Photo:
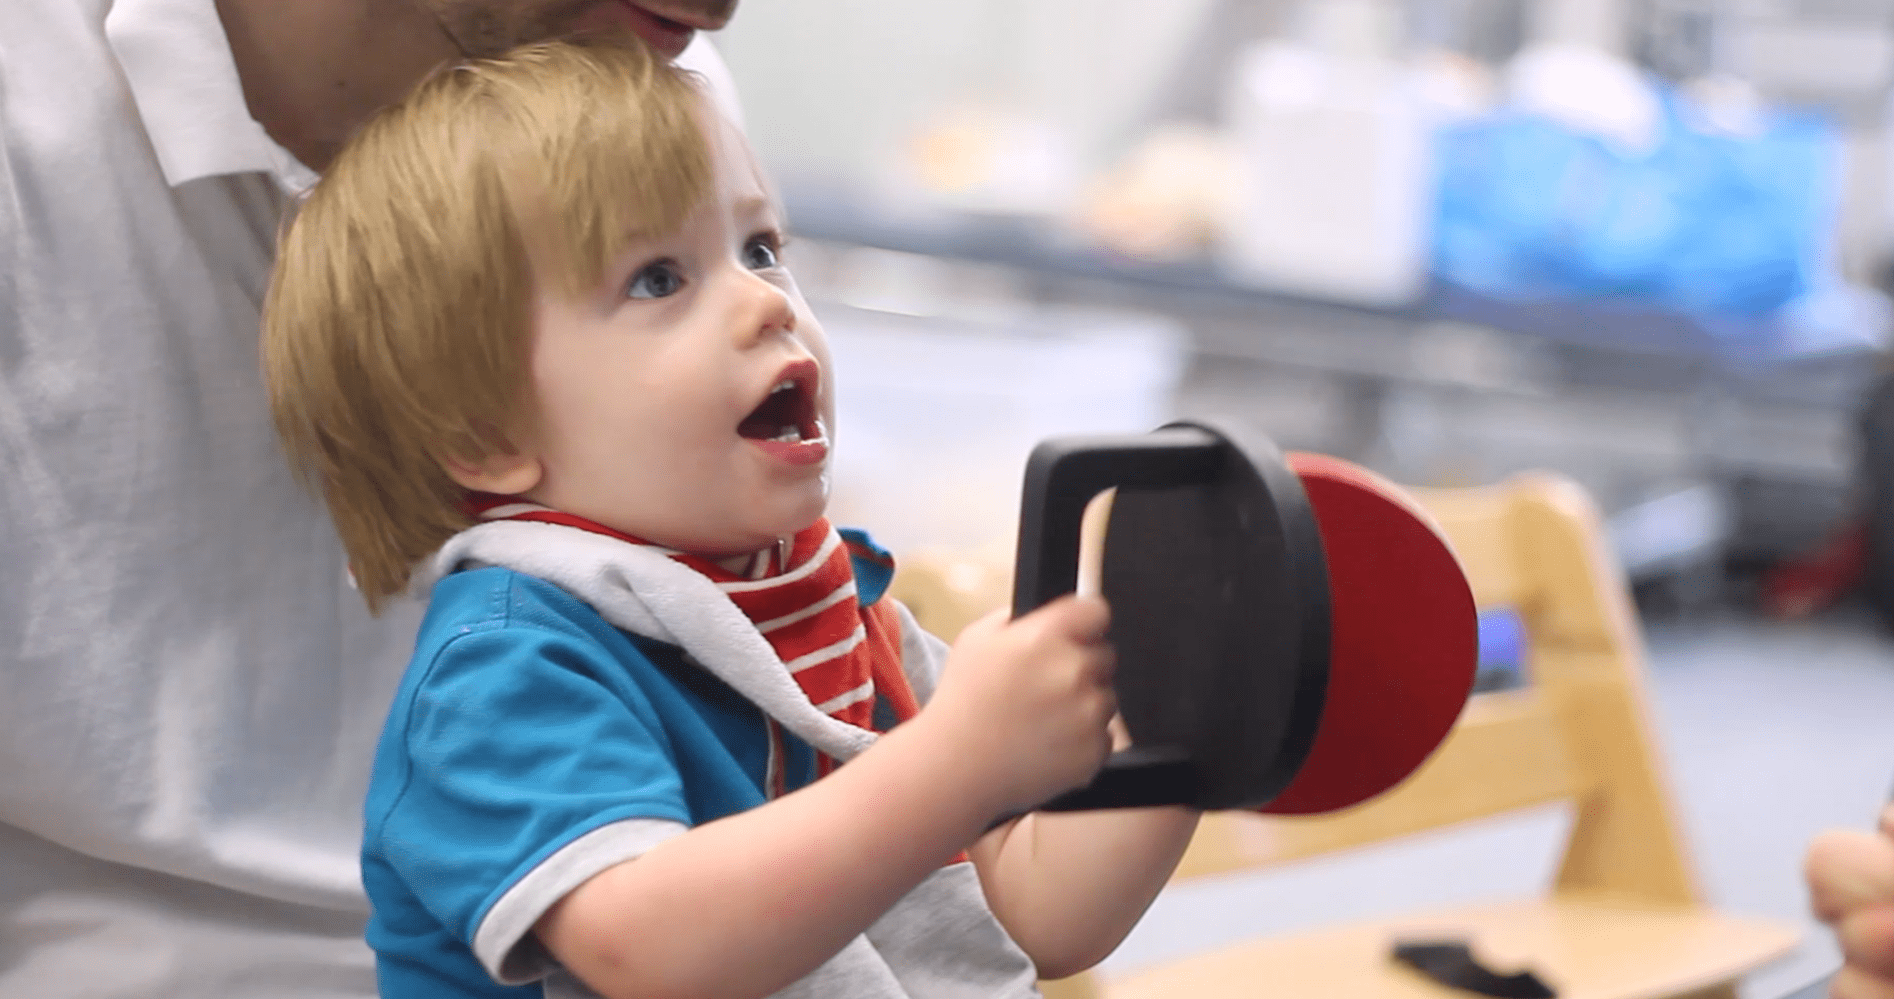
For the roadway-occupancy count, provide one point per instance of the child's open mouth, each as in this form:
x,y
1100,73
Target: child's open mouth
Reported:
x,y
786,421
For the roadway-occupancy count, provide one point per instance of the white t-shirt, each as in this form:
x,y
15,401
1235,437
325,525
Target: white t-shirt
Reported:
x,y
190,693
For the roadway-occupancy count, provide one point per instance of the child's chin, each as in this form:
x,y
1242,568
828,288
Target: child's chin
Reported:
x,y
788,522
805,519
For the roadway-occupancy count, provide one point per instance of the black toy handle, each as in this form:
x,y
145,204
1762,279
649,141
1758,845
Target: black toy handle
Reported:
x,y
1137,777
1064,474
1062,477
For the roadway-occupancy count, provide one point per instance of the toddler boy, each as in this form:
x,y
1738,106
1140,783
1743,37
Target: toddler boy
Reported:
x,y
662,734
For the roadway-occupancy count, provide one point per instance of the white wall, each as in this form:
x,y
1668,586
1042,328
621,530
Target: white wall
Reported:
x,y
830,84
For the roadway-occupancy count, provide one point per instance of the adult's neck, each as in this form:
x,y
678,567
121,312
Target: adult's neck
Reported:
x,y
314,70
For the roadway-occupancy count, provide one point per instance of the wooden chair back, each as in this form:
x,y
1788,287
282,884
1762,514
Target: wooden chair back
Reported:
x,y
1624,917
1578,731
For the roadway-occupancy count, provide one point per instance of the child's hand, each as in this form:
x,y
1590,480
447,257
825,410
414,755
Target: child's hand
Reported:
x,y
1028,702
1851,888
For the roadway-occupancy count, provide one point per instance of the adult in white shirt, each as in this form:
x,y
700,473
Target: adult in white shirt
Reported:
x,y
190,693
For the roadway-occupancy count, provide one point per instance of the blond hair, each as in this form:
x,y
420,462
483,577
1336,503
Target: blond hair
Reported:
x,y
397,326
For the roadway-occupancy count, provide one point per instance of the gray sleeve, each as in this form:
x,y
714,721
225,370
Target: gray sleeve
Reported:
x,y
922,654
504,942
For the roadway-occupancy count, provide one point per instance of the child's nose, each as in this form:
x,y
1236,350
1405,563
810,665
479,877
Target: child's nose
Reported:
x,y
766,310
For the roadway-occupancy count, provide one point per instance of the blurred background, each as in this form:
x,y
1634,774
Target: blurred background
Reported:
x,y
1646,243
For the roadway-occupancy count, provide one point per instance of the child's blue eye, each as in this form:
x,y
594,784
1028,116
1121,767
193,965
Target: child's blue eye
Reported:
x,y
760,252
657,280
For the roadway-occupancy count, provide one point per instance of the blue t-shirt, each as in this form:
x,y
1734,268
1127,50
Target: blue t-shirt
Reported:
x,y
531,745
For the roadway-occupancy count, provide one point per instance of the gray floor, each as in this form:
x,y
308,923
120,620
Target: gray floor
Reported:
x,y
1774,732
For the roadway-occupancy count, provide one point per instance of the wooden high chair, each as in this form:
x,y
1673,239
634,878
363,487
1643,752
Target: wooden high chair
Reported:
x,y
1624,917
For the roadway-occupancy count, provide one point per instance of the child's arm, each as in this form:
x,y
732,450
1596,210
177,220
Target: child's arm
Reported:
x,y
745,905
1068,886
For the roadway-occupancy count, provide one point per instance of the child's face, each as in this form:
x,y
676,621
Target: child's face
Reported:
x,y
687,400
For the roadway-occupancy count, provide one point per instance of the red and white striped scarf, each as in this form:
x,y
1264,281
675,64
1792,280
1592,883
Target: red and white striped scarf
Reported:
x,y
802,598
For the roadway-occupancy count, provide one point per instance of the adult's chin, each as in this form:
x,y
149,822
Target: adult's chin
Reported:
x,y
667,37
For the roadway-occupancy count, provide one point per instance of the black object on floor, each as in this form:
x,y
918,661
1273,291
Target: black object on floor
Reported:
x,y
1450,963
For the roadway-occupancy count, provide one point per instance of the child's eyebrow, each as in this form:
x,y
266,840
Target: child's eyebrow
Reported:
x,y
749,206
644,234
756,204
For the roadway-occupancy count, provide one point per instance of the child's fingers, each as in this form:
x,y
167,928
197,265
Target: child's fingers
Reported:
x,y
1887,820
983,626
1091,618
1081,619
1847,869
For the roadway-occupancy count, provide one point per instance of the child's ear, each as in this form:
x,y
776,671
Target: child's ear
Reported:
x,y
504,472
